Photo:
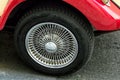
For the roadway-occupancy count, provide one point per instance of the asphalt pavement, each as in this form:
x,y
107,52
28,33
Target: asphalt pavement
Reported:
x,y
104,64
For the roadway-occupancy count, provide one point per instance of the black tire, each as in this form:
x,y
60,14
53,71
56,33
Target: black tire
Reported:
x,y
76,24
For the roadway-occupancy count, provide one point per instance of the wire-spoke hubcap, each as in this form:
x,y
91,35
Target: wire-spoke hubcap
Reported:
x,y
51,45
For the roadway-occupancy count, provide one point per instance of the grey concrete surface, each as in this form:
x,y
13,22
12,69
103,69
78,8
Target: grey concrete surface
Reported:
x,y
104,64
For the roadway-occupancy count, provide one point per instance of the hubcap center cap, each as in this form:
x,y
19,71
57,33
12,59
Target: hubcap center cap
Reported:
x,y
51,47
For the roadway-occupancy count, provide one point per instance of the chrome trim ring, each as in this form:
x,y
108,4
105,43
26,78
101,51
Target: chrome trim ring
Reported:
x,y
51,45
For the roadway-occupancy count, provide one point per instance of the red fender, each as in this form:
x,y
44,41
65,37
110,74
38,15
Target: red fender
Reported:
x,y
8,9
102,17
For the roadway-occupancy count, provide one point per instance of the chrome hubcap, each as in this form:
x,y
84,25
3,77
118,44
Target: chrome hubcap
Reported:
x,y
51,45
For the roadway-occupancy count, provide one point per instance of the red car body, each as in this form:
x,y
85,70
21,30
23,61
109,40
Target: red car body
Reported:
x,y
102,17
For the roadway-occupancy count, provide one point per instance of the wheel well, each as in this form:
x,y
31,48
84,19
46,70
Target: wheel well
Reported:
x,y
22,8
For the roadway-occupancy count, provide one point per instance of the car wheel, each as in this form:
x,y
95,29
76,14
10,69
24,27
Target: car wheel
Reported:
x,y
54,40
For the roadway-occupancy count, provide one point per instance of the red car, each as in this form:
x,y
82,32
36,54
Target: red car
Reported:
x,y
56,36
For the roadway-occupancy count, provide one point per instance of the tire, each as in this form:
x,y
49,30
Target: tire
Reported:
x,y
54,41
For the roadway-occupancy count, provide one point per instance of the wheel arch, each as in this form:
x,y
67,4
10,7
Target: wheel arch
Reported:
x,y
22,8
